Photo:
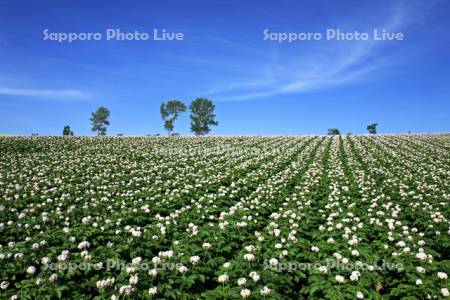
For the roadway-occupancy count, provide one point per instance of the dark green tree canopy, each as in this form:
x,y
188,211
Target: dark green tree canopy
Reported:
x,y
67,131
202,116
99,120
169,113
333,131
372,128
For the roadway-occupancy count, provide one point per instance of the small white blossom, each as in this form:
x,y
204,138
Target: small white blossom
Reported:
x,y
245,293
136,260
153,273
53,277
223,278
339,278
420,269
355,276
182,269
265,291
83,245
133,279
442,275
152,291
421,256
249,257
4,285
194,259
125,289
31,270
255,276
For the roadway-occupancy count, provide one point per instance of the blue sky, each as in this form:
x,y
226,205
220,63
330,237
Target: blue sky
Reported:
x,y
259,86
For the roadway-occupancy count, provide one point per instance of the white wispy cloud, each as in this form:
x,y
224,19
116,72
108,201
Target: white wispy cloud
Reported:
x,y
62,94
324,66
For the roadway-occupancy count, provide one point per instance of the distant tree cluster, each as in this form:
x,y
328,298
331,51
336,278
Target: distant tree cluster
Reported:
x,y
202,115
334,131
202,118
67,131
371,128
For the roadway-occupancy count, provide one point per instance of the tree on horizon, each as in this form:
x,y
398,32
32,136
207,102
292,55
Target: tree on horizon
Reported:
x,y
169,113
67,131
372,128
100,120
334,131
202,116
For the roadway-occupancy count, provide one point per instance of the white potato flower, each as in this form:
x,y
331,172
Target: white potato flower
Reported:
x,y
133,279
4,285
442,275
421,256
53,277
194,259
355,276
255,276
245,293
249,257
31,270
265,291
156,260
152,273
339,278
182,269
136,260
273,261
223,278
315,249
83,245
420,269
125,289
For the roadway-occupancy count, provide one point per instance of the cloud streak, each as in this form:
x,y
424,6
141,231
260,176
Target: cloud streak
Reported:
x,y
62,94
324,65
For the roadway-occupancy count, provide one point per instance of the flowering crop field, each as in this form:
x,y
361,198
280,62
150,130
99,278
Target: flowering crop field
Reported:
x,y
351,217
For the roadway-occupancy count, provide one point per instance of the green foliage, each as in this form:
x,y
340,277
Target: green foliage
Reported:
x,y
202,116
99,120
333,131
372,128
169,113
274,198
67,131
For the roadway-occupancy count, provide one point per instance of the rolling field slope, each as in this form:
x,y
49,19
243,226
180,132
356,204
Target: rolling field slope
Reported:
x,y
351,217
